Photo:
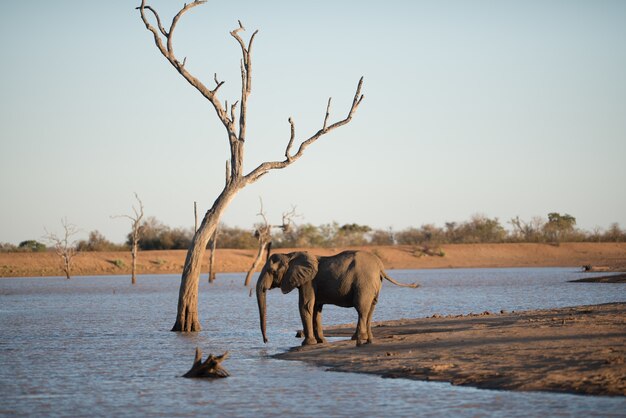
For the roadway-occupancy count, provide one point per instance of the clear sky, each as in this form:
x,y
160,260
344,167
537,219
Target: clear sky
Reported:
x,y
502,108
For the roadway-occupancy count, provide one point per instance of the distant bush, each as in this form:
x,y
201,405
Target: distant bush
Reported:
x,y
561,228
306,235
425,234
614,234
381,237
352,235
325,236
233,237
31,246
6,247
154,235
97,242
479,229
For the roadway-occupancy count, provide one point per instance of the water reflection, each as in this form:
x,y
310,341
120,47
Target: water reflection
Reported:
x,y
99,346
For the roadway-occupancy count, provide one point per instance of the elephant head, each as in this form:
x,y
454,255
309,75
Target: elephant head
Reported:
x,y
286,271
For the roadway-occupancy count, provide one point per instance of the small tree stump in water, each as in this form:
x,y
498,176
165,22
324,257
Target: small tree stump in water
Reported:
x,y
211,367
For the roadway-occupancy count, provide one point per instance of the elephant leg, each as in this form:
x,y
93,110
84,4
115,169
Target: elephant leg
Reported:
x,y
361,329
317,324
370,336
363,309
306,303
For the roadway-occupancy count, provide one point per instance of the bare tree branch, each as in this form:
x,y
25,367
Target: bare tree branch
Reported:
x,y
233,109
262,213
64,246
158,19
263,234
182,11
246,77
291,139
327,113
135,235
288,218
265,167
218,84
168,53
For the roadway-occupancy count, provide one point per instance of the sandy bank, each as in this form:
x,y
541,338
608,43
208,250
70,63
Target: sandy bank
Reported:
x,y
609,255
577,350
614,278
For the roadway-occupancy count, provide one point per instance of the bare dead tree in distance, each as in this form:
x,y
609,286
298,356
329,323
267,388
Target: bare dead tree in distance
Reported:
x,y
234,120
64,246
135,236
212,247
263,233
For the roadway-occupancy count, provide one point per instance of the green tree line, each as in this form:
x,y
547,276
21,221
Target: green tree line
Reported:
x,y
555,228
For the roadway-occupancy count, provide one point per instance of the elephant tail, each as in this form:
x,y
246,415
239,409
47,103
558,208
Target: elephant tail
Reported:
x,y
412,285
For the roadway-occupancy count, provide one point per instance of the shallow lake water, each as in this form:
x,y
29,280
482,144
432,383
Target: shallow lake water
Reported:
x,y
98,346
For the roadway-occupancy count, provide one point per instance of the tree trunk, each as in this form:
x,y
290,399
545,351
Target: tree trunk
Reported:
x,y
133,255
187,314
212,256
255,263
66,267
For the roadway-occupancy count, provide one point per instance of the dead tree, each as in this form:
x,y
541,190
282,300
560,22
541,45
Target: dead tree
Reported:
x,y
64,246
135,235
211,367
233,117
263,233
212,246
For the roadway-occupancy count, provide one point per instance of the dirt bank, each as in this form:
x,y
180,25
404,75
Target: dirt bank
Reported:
x,y
608,255
614,278
577,350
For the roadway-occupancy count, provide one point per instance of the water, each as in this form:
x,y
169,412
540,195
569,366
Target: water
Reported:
x,y
98,346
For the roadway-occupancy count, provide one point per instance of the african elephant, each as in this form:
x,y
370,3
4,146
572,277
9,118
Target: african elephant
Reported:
x,y
348,279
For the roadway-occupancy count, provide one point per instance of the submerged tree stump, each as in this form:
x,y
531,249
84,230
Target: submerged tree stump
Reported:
x,y
211,367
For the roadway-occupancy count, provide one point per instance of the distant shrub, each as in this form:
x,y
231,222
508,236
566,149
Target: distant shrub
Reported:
x,y
154,235
614,234
31,246
381,237
233,237
560,228
6,247
97,242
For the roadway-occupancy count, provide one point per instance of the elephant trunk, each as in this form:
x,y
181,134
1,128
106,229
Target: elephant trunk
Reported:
x,y
261,289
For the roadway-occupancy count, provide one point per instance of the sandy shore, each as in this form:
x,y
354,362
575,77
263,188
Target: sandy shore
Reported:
x,y
577,350
607,256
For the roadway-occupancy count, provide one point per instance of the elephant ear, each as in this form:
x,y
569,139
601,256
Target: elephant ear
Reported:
x,y
302,269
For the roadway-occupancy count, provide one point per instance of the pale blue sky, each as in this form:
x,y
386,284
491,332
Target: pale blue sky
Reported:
x,y
502,108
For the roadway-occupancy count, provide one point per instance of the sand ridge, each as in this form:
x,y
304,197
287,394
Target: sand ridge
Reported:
x,y
576,350
610,255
